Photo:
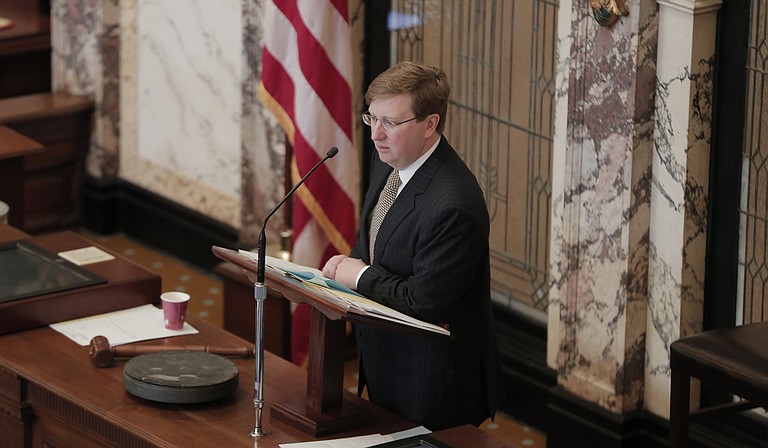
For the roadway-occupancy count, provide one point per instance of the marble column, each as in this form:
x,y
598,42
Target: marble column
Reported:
x,y
630,188
680,188
601,204
85,38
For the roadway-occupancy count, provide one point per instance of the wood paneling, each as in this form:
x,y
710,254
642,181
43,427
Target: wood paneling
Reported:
x,y
25,49
52,178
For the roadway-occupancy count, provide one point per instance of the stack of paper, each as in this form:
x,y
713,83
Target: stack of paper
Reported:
x,y
121,327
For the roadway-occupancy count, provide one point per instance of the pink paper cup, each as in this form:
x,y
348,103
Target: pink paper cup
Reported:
x,y
174,309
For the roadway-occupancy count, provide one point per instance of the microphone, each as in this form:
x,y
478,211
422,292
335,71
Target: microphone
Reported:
x,y
260,294
260,274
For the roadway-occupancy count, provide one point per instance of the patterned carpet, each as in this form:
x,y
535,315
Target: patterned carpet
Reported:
x,y
207,303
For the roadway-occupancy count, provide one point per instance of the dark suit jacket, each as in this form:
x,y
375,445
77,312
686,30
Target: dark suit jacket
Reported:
x,y
432,263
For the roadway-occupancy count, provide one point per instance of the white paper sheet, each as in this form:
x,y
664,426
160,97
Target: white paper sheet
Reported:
x,y
141,323
350,442
416,431
86,255
359,441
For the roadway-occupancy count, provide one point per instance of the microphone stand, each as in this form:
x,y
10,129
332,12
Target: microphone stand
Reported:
x,y
260,294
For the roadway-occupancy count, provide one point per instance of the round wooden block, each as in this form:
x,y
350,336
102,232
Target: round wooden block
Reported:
x,y
179,376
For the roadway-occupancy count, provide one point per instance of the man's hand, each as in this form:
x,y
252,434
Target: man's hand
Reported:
x,y
329,270
344,270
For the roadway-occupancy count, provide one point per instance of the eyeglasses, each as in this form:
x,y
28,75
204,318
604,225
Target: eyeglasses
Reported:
x,y
388,125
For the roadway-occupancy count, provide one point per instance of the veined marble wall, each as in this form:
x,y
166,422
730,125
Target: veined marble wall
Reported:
x,y
181,71
175,82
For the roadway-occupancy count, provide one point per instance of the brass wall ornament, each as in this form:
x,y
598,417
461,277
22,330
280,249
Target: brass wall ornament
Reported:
x,y
607,12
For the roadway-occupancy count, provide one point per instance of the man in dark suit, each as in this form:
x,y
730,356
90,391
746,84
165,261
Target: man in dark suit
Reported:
x,y
430,260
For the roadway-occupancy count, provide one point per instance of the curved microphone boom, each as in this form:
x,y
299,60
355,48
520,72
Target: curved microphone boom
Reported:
x,y
262,235
260,294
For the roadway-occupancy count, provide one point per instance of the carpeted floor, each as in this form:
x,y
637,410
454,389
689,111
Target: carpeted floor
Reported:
x,y
207,303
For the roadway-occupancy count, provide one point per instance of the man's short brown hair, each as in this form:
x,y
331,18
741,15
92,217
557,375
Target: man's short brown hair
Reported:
x,y
427,86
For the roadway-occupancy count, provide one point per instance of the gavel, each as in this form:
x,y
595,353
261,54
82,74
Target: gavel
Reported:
x,y
103,355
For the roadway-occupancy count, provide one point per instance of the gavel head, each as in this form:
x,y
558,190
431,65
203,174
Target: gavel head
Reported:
x,y
100,351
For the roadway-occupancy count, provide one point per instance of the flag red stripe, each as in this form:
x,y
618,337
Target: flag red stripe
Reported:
x,y
343,7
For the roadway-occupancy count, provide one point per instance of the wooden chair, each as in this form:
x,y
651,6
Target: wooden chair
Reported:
x,y
734,360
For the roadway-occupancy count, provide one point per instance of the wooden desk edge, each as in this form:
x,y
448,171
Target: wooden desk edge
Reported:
x,y
14,144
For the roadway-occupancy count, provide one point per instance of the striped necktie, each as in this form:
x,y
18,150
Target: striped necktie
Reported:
x,y
386,199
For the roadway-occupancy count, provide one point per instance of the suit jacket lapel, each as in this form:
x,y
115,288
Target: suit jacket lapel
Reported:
x,y
408,198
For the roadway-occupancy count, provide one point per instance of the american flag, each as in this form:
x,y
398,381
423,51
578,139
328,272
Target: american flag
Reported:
x,y
306,83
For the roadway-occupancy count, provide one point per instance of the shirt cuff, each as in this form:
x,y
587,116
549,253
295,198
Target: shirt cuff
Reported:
x,y
360,274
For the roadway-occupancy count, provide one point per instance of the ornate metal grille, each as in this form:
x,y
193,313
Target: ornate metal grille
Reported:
x,y
753,270
500,59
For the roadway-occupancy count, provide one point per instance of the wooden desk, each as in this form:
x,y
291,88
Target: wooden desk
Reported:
x,y
14,148
52,395
10,233
31,31
26,44
53,177
127,285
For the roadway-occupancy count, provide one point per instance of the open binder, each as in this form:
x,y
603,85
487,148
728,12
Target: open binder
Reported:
x,y
325,411
332,292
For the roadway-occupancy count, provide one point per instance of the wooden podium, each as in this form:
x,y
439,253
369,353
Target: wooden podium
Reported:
x,y
324,410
